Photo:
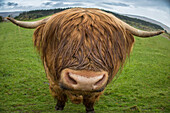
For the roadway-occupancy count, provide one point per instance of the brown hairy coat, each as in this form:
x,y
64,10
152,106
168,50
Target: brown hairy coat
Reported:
x,y
82,39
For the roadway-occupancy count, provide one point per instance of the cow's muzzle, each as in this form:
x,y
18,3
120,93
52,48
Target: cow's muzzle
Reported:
x,y
82,80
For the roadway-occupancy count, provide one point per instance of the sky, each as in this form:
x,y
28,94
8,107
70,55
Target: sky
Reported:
x,y
155,9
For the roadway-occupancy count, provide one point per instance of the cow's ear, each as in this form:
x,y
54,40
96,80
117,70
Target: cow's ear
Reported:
x,y
37,38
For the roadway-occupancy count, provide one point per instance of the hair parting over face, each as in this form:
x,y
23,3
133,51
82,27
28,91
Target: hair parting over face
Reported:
x,y
83,39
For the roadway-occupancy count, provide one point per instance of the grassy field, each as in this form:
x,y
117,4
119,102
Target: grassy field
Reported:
x,y
143,85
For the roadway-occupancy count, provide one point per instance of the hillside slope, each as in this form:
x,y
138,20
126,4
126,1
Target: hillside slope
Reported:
x,y
151,21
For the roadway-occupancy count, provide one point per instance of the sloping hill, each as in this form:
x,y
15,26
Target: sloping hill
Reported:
x,y
151,21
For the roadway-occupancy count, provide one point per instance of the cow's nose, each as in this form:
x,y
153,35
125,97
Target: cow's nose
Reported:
x,y
83,80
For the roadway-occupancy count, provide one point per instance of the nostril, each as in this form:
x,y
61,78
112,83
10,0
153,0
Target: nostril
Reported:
x,y
70,79
100,81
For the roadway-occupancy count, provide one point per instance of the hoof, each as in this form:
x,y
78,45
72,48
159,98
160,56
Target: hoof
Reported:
x,y
90,111
59,108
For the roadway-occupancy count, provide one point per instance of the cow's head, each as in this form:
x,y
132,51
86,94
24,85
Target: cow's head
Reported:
x,y
83,49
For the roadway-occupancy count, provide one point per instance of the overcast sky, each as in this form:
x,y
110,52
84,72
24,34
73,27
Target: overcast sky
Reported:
x,y
155,9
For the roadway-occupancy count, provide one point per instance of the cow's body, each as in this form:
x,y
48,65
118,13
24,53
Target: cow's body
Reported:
x,y
82,50
84,33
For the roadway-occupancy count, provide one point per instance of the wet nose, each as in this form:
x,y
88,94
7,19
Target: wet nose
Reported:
x,y
83,80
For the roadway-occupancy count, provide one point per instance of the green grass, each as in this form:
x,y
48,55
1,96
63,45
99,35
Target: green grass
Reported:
x,y
143,85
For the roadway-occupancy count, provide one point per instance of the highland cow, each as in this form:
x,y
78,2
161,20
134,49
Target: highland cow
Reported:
x,y
82,49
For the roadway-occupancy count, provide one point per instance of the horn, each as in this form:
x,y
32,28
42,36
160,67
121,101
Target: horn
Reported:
x,y
141,33
30,25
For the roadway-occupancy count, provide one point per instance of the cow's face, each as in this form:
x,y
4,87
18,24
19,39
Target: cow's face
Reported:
x,y
82,49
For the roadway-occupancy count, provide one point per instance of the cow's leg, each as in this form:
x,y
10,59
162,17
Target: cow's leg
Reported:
x,y
60,96
89,104
61,100
55,90
89,101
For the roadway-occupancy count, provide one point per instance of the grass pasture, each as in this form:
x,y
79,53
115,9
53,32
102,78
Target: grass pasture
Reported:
x,y
143,85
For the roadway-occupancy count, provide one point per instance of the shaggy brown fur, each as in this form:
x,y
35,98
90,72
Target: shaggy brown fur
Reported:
x,y
82,39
